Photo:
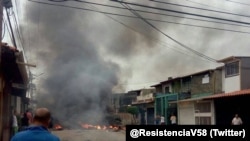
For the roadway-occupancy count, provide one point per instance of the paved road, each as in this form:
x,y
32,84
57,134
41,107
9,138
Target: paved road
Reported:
x,y
90,135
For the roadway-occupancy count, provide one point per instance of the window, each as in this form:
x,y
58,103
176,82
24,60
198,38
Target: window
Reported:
x,y
203,113
205,79
203,120
232,69
203,107
186,84
167,90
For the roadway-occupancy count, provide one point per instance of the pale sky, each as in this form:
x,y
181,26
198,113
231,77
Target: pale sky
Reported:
x,y
139,53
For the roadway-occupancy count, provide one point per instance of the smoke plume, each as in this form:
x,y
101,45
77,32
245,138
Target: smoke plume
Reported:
x,y
71,50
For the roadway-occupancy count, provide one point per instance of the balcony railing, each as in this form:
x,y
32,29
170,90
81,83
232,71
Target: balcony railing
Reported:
x,y
144,98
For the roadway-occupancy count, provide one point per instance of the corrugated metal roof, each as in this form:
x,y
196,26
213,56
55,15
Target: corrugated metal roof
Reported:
x,y
235,93
221,95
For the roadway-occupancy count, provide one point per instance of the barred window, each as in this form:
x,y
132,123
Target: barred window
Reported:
x,y
203,107
203,120
232,69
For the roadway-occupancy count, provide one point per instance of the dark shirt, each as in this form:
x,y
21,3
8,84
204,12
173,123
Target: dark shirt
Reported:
x,y
24,121
35,133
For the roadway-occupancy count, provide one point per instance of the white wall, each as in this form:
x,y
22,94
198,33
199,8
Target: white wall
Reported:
x,y
232,84
186,113
223,79
18,104
166,85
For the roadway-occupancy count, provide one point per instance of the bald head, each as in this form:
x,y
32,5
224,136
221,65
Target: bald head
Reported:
x,y
42,115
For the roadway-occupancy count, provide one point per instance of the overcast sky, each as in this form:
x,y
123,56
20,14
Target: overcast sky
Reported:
x,y
130,52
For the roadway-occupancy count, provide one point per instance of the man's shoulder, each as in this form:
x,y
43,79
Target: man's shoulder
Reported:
x,y
30,134
55,138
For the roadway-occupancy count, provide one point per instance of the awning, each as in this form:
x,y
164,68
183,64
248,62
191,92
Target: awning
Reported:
x,y
142,102
235,93
221,95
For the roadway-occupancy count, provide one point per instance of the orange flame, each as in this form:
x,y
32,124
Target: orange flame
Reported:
x,y
58,127
89,126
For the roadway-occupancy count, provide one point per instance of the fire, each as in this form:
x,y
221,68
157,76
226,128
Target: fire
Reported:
x,y
99,127
58,127
89,126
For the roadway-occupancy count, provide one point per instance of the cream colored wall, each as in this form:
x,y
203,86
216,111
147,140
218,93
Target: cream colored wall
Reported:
x,y
186,113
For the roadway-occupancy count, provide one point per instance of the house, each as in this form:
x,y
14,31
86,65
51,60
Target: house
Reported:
x,y
115,101
145,103
166,92
180,96
226,93
13,87
236,90
235,73
192,110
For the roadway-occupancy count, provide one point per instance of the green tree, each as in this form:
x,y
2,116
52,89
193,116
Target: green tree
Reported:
x,y
134,111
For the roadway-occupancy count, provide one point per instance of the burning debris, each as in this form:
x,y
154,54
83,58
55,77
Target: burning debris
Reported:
x,y
101,127
57,127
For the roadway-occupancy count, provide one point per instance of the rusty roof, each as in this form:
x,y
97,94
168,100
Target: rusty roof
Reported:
x,y
231,58
235,93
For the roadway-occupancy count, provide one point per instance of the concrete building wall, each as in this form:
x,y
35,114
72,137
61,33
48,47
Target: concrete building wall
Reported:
x,y
186,113
232,83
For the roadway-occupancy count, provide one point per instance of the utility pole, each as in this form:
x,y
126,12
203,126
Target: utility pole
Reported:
x,y
7,5
1,78
11,29
1,20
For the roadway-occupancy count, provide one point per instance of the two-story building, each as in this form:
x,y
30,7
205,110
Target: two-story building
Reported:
x,y
13,87
145,103
236,90
181,96
217,95
165,94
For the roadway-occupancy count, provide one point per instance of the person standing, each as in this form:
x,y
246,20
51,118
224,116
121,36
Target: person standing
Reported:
x,y
38,130
30,116
14,122
24,122
173,119
157,119
162,120
237,120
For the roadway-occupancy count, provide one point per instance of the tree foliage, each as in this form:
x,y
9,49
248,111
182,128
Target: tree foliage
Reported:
x,y
133,110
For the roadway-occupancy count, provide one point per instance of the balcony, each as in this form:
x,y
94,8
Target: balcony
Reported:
x,y
148,98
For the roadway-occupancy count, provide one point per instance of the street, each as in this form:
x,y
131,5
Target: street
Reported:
x,y
90,135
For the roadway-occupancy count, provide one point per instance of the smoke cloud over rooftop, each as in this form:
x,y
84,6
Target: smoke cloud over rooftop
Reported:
x,y
71,50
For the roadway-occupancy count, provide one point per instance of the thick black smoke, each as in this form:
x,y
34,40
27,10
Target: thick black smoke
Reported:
x,y
74,48
69,44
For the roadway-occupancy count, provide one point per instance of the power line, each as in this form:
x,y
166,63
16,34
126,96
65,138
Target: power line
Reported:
x,y
118,22
4,30
205,5
180,12
151,38
168,3
186,47
12,33
7,27
115,14
150,12
238,2
140,33
18,33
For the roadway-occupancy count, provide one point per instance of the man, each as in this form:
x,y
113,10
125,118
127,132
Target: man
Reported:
x,y
15,122
173,119
237,120
30,117
162,120
38,131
